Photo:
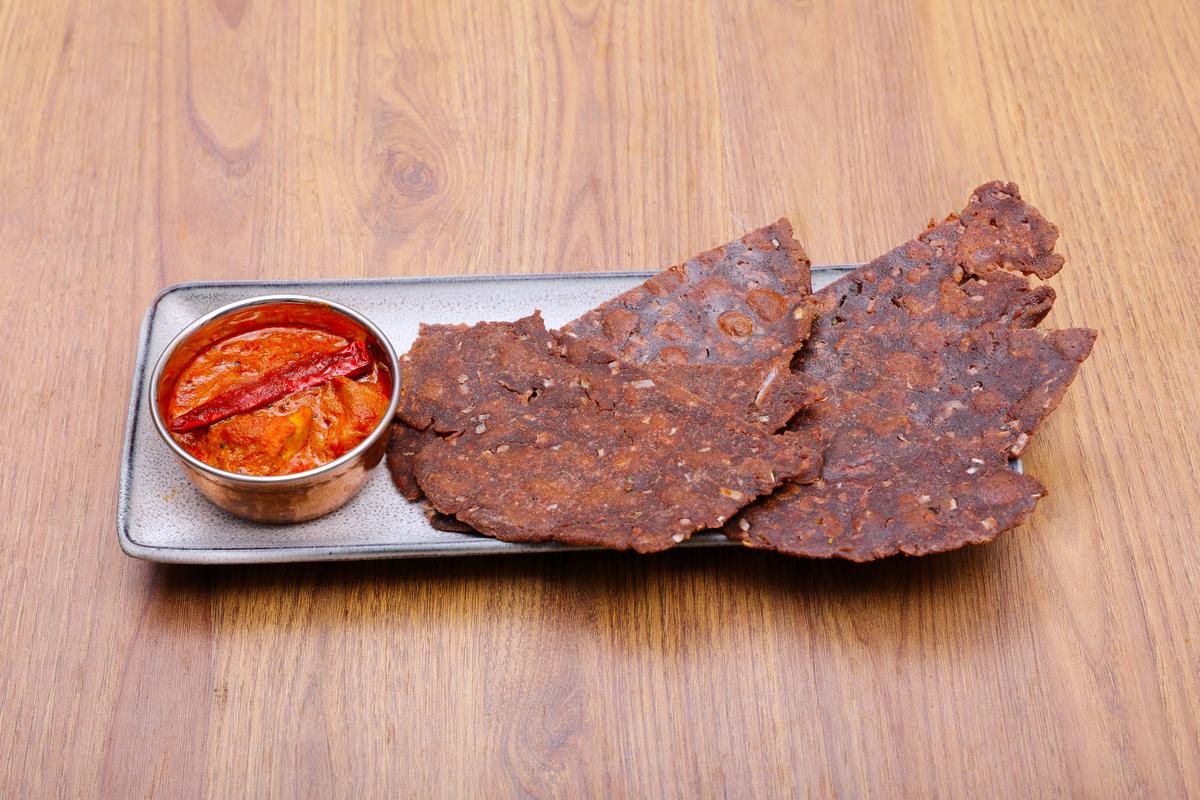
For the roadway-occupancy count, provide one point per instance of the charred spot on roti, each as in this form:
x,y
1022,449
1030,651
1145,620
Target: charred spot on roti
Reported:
x,y
768,305
736,324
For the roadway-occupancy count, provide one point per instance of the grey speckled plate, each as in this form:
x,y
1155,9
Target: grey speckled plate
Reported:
x,y
161,517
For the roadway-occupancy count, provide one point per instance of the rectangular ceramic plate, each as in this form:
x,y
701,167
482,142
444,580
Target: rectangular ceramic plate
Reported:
x,y
162,517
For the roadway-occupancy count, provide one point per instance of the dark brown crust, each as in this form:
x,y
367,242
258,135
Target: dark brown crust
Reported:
x,y
594,451
734,304
937,327
444,522
403,445
887,486
937,377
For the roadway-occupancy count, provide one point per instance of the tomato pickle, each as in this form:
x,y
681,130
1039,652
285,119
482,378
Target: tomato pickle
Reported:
x,y
294,433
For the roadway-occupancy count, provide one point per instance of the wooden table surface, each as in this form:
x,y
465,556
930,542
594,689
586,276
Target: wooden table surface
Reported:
x,y
144,145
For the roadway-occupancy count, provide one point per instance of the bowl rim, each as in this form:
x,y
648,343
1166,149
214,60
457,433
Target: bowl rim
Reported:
x,y
380,429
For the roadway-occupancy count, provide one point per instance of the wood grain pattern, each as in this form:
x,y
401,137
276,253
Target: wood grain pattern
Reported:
x,y
148,143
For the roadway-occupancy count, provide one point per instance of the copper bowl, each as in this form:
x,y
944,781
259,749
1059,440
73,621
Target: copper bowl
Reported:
x,y
275,498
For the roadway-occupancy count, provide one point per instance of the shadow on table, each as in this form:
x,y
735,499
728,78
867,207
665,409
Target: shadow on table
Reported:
x,y
718,575
686,613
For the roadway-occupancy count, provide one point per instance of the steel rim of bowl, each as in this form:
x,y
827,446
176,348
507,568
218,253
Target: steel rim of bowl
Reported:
x,y
275,480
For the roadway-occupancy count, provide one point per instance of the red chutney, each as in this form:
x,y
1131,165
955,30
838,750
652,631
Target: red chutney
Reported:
x,y
298,432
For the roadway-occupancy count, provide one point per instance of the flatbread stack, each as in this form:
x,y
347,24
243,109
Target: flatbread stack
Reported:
x,y
875,417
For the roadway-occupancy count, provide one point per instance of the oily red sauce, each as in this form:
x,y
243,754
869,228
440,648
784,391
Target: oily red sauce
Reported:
x,y
299,432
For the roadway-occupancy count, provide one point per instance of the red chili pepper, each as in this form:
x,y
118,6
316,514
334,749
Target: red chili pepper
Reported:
x,y
301,374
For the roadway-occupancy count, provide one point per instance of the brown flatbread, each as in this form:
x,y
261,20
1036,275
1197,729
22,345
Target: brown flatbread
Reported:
x,y
735,304
593,451
887,486
936,334
442,385
739,302
456,376
932,342
643,472
937,328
